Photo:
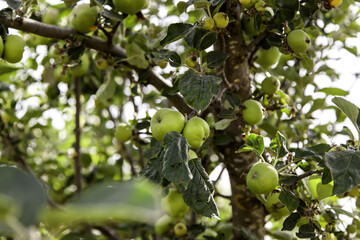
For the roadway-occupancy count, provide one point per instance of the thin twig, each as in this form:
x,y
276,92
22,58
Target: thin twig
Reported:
x,y
77,157
108,232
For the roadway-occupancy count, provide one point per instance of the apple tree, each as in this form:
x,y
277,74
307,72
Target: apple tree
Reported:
x,y
119,119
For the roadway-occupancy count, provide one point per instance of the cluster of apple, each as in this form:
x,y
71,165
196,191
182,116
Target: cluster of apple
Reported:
x,y
84,16
220,20
175,208
12,49
196,130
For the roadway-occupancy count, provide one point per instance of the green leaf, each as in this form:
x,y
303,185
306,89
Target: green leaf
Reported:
x,y
198,195
247,233
153,170
7,68
291,221
317,152
136,56
334,91
175,163
199,90
344,212
306,231
223,124
201,38
254,143
25,190
176,31
289,199
215,59
350,110
14,4
278,144
110,201
106,90
345,168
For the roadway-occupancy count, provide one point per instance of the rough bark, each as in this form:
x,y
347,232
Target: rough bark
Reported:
x,y
248,212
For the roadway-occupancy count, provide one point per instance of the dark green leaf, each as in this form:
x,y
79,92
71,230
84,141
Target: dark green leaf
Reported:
x,y
291,221
215,59
247,233
177,31
306,231
289,199
278,144
200,38
14,4
345,168
254,143
288,180
175,163
153,170
154,150
174,59
198,195
350,110
199,90
233,99
317,152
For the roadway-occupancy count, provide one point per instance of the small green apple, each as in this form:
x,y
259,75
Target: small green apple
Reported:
x,y
253,112
13,48
260,6
83,17
192,154
180,229
174,205
82,68
163,225
351,228
162,63
101,64
262,178
248,24
1,47
270,85
245,2
298,40
129,6
268,57
209,23
317,189
274,206
166,120
196,131
123,132
51,16
191,62
221,20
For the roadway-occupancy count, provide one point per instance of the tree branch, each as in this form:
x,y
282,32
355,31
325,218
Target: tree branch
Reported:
x,y
77,157
51,31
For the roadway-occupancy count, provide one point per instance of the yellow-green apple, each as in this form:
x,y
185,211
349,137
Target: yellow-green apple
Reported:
x,y
83,17
221,20
298,40
268,57
253,112
262,178
166,120
123,132
129,6
13,48
163,225
173,204
180,229
270,85
196,131
51,16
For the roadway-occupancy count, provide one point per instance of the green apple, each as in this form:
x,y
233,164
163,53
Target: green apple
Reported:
x,y
248,26
101,64
335,3
191,62
270,85
262,178
166,120
209,23
196,131
268,57
123,132
260,6
180,229
192,154
51,16
162,63
245,2
163,225
129,6
83,17
1,47
13,48
221,20
82,68
298,40
174,205
319,190
253,112
351,228
274,206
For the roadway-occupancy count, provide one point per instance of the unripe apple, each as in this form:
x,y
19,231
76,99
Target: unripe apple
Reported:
x,y
162,63
173,204
298,40
351,228
191,62
248,26
262,178
209,23
1,47
221,20
268,57
192,154
82,68
196,131
13,48
319,190
270,85
166,120
180,229
83,17
101,64
335,3
129,6
51,16
274,206
163,225
123,132
245,2
253,112
260,6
